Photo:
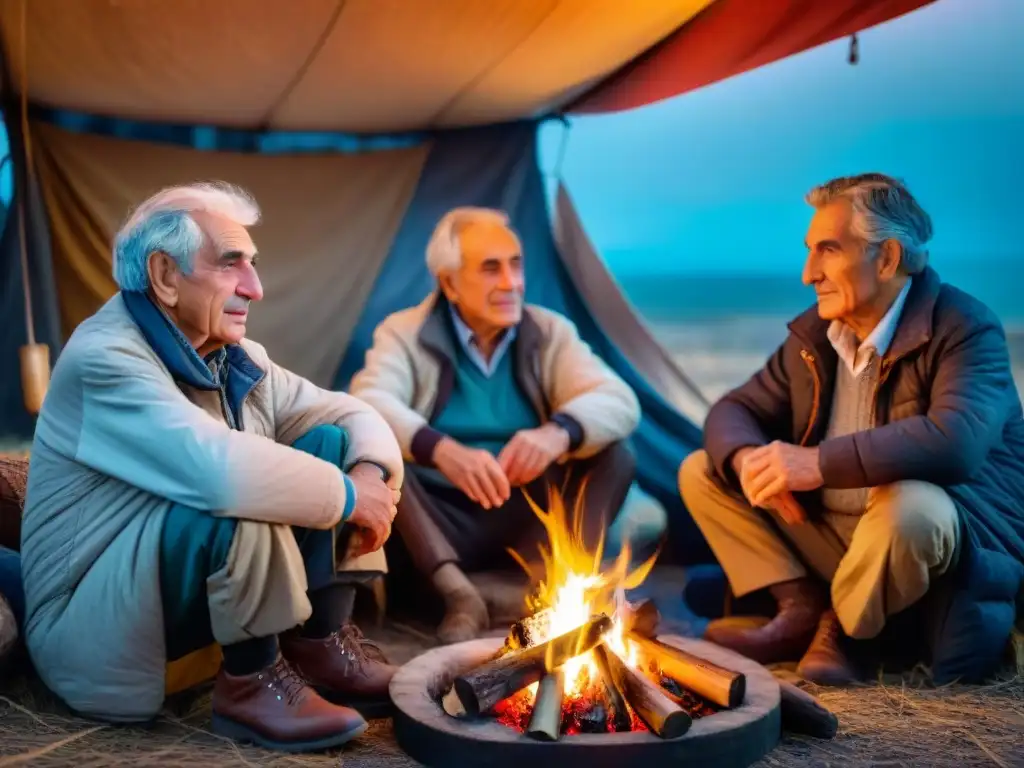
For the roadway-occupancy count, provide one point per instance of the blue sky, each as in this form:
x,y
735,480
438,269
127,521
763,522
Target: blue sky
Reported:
x,y
714,180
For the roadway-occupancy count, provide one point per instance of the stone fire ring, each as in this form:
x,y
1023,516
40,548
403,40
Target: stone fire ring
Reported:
x,y
737,737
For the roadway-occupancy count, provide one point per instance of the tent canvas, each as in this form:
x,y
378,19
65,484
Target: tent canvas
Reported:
x,y
357,124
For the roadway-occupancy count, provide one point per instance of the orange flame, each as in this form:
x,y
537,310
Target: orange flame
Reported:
x,y
575,588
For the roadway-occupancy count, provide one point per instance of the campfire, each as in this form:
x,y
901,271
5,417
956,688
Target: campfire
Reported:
x,y
584,660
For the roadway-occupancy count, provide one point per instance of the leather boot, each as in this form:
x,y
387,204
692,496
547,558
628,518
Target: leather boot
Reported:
x,y
826,662
466,614
801,603
276,709
344,666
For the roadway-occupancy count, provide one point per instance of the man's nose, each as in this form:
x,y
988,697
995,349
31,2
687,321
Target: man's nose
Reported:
x,y
811,273
250,287
510,279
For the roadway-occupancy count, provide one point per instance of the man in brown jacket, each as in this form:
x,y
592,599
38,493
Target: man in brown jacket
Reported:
x,y
490,398
879,450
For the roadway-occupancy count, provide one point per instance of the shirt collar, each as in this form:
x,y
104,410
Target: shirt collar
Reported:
x,y
467,339
855,354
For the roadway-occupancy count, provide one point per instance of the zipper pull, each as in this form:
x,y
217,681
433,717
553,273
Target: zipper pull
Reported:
x,y
806,355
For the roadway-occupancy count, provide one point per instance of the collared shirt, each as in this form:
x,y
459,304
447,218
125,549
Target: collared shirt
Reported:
x,y
468,341
858,355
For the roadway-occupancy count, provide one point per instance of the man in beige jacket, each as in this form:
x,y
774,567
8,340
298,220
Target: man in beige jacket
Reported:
x,y
185,490
490,398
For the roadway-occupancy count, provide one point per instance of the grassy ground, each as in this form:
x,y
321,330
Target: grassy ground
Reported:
x,y
891,722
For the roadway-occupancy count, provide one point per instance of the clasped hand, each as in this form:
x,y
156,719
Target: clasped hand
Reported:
x,y
489,480
376,507
769,476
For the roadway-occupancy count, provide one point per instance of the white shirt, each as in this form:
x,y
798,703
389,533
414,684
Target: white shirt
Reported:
x,y
856,356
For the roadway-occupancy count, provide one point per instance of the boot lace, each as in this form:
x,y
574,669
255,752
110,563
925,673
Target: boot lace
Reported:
x,y
355,645
284,681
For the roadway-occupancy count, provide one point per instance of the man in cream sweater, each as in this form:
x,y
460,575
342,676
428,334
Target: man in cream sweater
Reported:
x,y
490,398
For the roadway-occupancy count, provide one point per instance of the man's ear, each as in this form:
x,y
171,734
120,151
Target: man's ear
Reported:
x,y
447,287
164,276
890,254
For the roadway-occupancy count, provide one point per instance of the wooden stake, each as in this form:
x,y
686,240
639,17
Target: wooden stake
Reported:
x,y
718,685
483,687
546,718
619,713
804,713
662,715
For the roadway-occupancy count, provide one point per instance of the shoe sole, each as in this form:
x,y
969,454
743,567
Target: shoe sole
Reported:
x,y
243,734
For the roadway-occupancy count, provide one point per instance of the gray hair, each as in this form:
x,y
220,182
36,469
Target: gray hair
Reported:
x,y
444,252
164,224
883,209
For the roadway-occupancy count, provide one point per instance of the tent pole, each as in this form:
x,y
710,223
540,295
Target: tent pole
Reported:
x,y
34,357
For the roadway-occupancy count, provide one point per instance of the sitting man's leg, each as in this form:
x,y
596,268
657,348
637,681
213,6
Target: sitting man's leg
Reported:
x,y
439,527
329,650
907,537
213,588
754,554
447,535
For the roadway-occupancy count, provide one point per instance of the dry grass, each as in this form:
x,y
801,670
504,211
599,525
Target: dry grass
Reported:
x,y
905,721
894,722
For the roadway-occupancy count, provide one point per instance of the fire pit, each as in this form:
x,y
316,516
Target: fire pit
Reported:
x,y
735,736
584,677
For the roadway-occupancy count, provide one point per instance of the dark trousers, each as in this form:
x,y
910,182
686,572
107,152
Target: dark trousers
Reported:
x,y
195,544
439,525
10,582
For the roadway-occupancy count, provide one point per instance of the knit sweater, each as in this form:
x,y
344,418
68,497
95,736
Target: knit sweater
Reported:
x,y
853,410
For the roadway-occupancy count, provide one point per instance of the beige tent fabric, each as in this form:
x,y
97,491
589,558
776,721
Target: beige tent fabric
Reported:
x,y
344,65
328,224
617,317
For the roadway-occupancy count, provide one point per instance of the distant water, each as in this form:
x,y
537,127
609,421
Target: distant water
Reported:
x,y
721,328
677,297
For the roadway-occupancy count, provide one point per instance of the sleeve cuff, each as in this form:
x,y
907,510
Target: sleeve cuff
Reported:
x,y
350,497
572,427
423,444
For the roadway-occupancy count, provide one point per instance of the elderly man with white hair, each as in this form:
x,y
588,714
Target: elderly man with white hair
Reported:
x,y
878,454
185,491
491,400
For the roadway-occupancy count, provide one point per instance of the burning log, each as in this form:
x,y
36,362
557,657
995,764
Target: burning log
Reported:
x,y
619,713
527,631
482,688
643,618
546,718
716,684
804,713
661,715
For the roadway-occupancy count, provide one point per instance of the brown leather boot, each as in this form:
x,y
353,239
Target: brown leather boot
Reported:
x,y
344,667
786,637
275,709
826,662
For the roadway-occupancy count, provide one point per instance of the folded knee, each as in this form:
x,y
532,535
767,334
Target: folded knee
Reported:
x,y
693,472
912,511
618,457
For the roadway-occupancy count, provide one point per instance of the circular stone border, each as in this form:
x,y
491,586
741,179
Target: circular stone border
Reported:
x,y
737,737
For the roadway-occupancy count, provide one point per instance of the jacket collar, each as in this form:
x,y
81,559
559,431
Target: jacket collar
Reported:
x,y
437,333
914,330
229,368
437,336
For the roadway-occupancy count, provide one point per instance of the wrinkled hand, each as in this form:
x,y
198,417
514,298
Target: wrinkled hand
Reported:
x,y
783,502
376,507
475,472
531,451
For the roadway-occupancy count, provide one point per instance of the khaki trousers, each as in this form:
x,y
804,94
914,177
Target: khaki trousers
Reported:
x,y
878,563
